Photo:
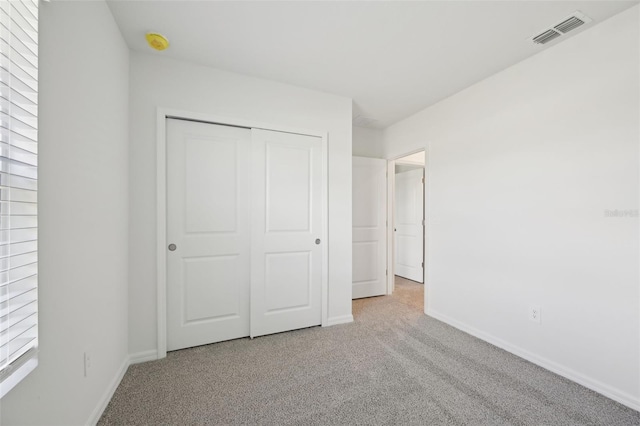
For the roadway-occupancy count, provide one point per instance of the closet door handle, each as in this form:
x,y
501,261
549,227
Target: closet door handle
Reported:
x,y
317,241
172,247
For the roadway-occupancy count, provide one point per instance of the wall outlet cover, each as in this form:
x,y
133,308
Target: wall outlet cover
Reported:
x,y
534,313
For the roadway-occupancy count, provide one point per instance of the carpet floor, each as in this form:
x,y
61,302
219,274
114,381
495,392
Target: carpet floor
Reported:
x,y
392,365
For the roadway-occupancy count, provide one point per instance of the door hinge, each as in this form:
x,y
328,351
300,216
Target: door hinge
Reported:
x,y
423,179
422,222
423,265
386,272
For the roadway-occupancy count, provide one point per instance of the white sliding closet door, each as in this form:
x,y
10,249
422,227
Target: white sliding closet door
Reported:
x,y
208,222
286,227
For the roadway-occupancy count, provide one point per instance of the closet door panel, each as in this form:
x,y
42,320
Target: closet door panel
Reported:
x,y
286,246
208,224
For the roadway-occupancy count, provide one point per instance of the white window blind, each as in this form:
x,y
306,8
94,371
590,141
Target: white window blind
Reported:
x,y
18,189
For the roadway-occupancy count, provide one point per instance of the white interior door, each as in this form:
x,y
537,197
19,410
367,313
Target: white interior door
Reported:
x,y
286,266
369,227
409,233
208,222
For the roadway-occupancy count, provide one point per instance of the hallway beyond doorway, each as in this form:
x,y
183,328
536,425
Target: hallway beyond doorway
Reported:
x,y
407,292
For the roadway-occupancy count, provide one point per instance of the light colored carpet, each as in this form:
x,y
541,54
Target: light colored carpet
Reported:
x,y
393,365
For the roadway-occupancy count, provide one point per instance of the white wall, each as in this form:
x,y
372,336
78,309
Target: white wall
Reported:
x,y
367,142
521,168
83,208
160,82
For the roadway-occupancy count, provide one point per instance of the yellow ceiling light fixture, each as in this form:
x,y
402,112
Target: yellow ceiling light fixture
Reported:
x,y
157,41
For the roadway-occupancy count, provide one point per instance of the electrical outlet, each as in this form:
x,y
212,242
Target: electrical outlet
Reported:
x,y
87,364
534,313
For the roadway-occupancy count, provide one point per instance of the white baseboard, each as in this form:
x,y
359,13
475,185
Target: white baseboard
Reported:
x,y
343,319
595,385
143,356
108,394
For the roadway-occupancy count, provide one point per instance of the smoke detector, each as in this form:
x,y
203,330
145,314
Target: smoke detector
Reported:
x,y
569,23
157,41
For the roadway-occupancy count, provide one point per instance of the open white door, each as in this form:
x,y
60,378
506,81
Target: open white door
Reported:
x,y
369,227
286,265
208,259
409,233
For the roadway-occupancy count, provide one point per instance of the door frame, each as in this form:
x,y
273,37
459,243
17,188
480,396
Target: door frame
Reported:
x,y
391,184
161,205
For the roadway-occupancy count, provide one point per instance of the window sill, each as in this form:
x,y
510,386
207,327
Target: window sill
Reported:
x,y
17,371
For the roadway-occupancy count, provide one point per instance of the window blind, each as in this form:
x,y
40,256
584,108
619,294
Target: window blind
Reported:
x,y
18,185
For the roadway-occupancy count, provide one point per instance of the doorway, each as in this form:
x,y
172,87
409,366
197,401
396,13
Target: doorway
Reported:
x,y
409,217
406,258
388,197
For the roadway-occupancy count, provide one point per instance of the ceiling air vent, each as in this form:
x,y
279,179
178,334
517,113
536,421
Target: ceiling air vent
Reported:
x,y
546,37
569,23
